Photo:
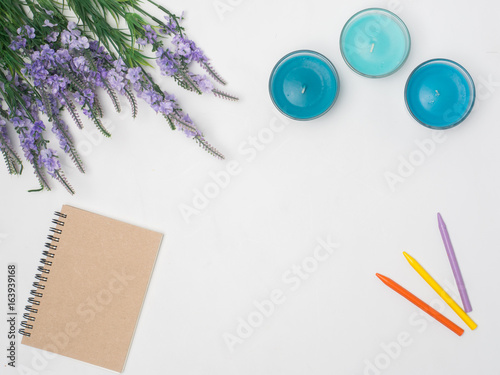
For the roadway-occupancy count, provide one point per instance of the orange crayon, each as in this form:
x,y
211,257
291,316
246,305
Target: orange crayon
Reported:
x,y
418,302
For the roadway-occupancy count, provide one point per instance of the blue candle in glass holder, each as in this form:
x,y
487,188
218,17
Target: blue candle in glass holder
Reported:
x,y
375,43
304,85
440,93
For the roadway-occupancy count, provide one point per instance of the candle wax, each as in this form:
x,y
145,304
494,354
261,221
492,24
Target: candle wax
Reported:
x,y
303,85
439,93
375,42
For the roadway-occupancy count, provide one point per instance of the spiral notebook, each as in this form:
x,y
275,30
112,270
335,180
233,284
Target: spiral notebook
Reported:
x,y
90,288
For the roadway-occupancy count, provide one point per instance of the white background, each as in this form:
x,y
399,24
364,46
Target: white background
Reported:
x,y
318,179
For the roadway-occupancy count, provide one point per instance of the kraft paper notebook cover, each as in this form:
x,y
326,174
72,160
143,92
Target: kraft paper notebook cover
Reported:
x,y
90,288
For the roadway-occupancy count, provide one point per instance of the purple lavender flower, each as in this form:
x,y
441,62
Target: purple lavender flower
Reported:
x,y
26,30
80,99
48,24
80,43
115,80
189,131
141,41
46,52
203,83
150,34
62,56
183,46
52,37
66,37
63,141
197,54
48,158
170,26
119,65
72,38
4,134
133,75
18,43
166,107
89,95
150,96
59,127
37,129
166,62
30,32
80,63
27,138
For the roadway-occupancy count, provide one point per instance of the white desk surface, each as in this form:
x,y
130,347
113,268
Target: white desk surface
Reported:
x,y
311,181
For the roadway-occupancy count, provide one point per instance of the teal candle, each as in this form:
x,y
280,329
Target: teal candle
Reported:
x,y
304,85
375,43
440,93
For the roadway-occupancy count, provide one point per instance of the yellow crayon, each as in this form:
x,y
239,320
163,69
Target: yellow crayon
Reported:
x,y
442,293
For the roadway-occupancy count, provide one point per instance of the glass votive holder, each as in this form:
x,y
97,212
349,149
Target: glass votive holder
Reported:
x,y
375,43
304,85
440,93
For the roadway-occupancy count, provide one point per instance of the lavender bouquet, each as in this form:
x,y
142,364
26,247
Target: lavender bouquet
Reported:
x,y
50,64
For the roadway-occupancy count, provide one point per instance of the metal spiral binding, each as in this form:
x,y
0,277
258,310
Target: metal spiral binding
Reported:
x,y
41,277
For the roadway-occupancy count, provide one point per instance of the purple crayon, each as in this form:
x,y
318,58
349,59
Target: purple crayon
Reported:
x,y
454,264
